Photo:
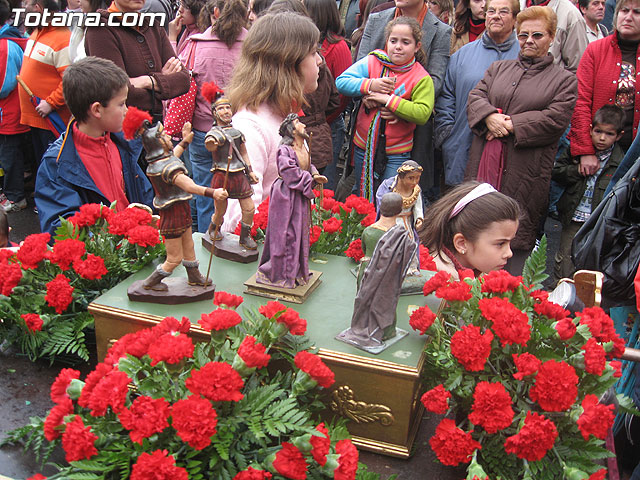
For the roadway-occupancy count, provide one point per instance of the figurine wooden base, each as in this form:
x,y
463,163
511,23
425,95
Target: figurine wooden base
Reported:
x,y
293,295
229,249
179,292
372,348
378,394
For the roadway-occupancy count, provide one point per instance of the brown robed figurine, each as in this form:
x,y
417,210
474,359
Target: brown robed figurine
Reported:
x,y
173,189
231,167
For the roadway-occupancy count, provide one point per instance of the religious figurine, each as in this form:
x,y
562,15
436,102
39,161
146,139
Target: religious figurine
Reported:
x,y
231,167
173,189
388,254
285,257
406,183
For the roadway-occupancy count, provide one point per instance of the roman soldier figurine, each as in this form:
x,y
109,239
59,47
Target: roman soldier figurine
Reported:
x,y
230,165
173,189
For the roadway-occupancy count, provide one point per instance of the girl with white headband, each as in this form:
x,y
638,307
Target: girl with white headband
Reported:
x,y
471,227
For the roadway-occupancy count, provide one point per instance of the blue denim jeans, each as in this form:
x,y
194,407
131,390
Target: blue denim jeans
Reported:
x,y
337,138
12,162
201,161
393,162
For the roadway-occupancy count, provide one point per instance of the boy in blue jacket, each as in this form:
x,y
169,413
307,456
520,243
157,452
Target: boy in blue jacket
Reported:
x,y
583,194
91,162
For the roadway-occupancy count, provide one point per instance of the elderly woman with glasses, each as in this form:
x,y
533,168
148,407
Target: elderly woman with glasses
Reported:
x,y
466,68
517,113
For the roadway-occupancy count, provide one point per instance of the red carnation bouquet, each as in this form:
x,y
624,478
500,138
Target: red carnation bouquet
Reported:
x,y
521,377
208,410
47,285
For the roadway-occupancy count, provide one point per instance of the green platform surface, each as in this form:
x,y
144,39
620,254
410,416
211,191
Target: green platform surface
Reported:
x,y
327,311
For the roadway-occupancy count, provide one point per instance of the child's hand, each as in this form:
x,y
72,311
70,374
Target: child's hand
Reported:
x,y
383,85
381,98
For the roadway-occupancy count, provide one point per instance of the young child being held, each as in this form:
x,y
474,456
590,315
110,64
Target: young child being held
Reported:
x,y
397,94
582,194
90,162
471,227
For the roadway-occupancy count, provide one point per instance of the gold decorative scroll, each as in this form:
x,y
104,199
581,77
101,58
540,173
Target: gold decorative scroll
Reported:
x,y
343,402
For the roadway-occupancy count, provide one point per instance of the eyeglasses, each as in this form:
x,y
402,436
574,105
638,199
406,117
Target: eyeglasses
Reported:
x,y
523,37
502,12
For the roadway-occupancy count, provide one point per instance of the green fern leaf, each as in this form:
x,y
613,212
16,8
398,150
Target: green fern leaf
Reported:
x,y
535,266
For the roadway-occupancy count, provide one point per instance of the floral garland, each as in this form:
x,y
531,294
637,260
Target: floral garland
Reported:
x,y
45,290
521,377
209,410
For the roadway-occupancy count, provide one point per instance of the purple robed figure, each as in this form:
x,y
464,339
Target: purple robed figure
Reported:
x,y
285,257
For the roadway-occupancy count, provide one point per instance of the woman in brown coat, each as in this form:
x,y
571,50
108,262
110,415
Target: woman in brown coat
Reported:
x,y
518,111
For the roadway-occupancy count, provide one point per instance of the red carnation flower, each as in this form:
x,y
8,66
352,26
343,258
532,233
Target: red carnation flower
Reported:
x,y
455,292
59,293
217,381
426,259
596,419
436,400
509,323
92,268
471,348
37,476
556,387
355,250
452,445
594,357
10,276
77,441
599,323
466,273
195,420
55,419
500,281
539,295
67,251
220,319
313,366
33,321
146,416
110,391
422,319
295,324
89,214
526,364
61,383
361,205
227,299
33,250
566,329
550,310
320,445
271,309
340,207
290,463
252,474
439,280
252,353
172,325
129,218
534,439
617,368
144,235
170,348
314,234
158,465
348,461
491,407
599,475
91,381
368,220
332,225
328,203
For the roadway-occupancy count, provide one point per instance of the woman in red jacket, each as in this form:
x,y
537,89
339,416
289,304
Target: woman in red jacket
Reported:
x,y
607,74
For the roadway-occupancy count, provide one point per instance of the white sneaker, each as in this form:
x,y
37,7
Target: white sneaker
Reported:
x,y
10,206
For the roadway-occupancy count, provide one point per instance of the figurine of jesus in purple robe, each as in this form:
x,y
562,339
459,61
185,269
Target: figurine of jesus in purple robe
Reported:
x,y
285,257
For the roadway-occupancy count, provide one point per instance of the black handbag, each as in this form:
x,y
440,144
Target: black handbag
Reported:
x,y
609,241
380,158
